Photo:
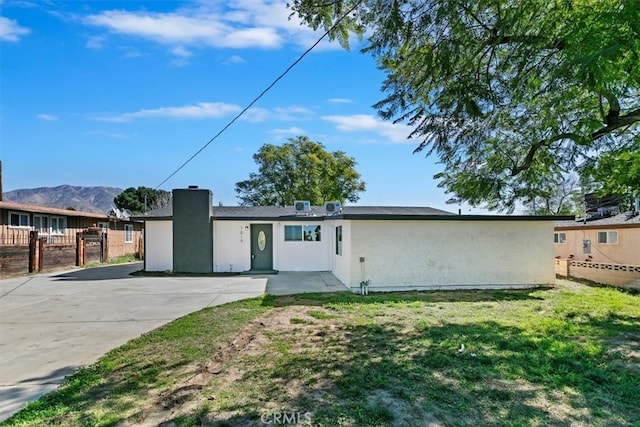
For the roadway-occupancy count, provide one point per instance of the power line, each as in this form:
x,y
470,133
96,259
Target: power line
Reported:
x,y
257,98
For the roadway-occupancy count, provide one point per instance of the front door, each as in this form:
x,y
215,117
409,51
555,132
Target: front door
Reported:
x,y
261,247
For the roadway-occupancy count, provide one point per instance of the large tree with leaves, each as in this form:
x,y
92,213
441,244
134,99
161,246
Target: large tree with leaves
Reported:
x,y
511,95
141,199
300,169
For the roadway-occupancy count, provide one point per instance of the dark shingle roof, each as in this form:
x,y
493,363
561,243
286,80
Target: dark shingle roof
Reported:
x,y
619,220
317,213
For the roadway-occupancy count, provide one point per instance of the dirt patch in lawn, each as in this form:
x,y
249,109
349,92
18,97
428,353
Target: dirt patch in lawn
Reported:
x,y
567,356
186,396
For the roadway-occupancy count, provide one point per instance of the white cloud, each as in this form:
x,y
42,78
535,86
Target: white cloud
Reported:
x,y
95,42
47,117
10,30
238,24
290,131
182,56
368,123
181,52
234,59
183,29
340,101
129,52
114,135
294,112
199,111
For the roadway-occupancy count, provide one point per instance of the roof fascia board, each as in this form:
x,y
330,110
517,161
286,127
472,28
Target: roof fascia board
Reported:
x,y
596,226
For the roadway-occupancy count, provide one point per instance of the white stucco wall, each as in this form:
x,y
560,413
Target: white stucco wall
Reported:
x,y
451,254
341,264
158,237
232,247
302,256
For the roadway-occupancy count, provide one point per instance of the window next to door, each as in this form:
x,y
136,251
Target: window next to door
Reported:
x,y
299,233
339,240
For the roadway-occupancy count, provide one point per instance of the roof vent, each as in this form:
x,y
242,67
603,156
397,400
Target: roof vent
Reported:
x,y
193,187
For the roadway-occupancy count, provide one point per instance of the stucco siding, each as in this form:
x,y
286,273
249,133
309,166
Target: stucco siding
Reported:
x,y
440,254
341,264
302,255
625,251
158,245
232,246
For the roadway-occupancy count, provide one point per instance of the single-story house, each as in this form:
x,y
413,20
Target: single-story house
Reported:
x,y
613,238
60,226
391,248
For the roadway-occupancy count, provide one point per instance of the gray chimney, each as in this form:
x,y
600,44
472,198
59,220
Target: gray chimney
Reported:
x,y
192,231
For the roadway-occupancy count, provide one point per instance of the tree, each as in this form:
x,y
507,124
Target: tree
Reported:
x,y
509,94
141,199
565,197
617,173
300,170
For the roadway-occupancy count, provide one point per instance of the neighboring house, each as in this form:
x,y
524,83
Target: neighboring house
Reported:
x,y
614,239
60,226
393,248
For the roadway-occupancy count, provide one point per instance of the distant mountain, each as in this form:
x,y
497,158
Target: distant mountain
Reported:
x,y
87,199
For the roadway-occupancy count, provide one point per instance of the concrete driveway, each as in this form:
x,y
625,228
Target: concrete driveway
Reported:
x,y
53,324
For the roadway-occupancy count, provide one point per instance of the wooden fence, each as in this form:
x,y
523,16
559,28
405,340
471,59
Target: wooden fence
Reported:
x,y
43,253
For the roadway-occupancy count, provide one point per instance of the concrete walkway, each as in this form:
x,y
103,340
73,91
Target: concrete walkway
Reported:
x,y
297,282
53,324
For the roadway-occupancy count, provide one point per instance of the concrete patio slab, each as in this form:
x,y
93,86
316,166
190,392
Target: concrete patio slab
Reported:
x,y
296,282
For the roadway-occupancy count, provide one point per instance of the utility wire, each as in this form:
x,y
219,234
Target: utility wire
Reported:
x,y
257,98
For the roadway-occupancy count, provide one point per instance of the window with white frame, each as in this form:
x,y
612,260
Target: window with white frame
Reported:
x,y
41,224
19,219
58,224
299,233
559,238
103,225
608,237
339,240
128,233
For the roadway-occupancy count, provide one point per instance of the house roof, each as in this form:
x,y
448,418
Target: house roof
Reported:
x,y
317,213
12,206
616,221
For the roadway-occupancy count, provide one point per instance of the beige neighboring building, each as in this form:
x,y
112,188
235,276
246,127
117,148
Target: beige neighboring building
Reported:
x,y
612,240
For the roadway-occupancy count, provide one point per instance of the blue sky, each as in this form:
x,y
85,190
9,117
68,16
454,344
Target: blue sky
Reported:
x,y
121,93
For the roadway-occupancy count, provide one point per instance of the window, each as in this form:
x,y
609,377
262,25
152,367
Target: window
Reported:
x,y
311,233
128,233
339,240
41,224
298,233
18,219
58,225
103,225
559,237
292,233
608,237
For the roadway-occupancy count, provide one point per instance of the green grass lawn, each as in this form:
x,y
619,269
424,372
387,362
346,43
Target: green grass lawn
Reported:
x,y
563,356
